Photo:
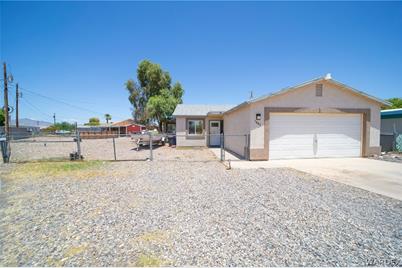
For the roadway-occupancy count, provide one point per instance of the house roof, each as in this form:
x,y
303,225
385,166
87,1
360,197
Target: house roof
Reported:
x,y
316,80
391,113
125,123
200,109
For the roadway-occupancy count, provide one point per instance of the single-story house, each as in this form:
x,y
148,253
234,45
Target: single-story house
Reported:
x,y
112,129
128,126
318,118
391,126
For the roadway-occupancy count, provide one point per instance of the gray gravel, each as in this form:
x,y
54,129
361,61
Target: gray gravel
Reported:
x,y
389,156
194,213
94,149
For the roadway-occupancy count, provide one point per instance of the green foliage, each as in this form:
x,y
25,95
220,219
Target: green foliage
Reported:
x,y
161,107
395,103
108,117
2,117
60,126
153,97
93,121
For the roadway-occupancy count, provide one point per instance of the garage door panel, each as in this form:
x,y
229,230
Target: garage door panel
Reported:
x,y
283,154
289,139
294,135
338,139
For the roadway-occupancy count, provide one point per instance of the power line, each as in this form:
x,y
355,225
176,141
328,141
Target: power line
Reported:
x,y
60,101
35,108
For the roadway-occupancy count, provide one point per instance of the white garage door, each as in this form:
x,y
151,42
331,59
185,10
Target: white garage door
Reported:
x,y
314,135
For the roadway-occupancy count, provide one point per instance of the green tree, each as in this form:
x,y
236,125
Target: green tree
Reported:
x,y
153,97
2,117
395,103
108,117
93,121
60,126
161,107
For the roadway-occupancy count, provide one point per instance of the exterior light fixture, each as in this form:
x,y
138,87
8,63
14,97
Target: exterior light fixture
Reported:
x,y
258,116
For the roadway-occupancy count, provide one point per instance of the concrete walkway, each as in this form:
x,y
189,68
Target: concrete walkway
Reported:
x,y
377,176
228,156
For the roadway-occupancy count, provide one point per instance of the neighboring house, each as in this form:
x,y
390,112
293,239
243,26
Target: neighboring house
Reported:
x,y
318,118
127,127
391,126
105,130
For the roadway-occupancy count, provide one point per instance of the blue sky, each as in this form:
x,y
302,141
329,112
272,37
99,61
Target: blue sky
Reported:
x,y
83,52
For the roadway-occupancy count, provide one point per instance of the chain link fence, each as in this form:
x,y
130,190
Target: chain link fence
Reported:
x,y
391,142
42,148
131,147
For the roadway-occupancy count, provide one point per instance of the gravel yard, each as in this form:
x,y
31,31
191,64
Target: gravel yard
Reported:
x,y
190,213
95,149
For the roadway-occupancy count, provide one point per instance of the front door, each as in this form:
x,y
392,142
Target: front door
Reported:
x,y
215,133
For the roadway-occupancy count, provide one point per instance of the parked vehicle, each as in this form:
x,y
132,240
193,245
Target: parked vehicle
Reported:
x,y
144,138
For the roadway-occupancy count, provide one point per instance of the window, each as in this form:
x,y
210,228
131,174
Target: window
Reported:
x,y
214,124
195,127
171,128
318,90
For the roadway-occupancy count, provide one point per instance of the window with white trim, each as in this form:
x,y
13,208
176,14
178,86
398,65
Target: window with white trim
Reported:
x,y
195,127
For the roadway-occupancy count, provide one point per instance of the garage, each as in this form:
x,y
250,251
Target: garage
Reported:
x,y
320,118
298,135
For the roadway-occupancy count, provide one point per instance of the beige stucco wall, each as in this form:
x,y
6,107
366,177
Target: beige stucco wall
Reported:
x,y
333,97
182,139
236,126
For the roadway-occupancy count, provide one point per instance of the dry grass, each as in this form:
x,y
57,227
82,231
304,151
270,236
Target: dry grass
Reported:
x,y
145,260
79,169
157,236
73,251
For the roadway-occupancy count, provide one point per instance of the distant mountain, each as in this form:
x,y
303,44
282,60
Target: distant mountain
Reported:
x,y
26,122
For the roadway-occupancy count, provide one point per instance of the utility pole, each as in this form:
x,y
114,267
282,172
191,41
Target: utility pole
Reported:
x,y
17,95
6,121
5,146
54,118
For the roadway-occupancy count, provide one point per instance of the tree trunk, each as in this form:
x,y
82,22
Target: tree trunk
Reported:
x,y
160,126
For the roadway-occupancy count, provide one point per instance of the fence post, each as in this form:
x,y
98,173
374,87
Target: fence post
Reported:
x,y
114,149
78,141
78,145
4,149
151,156
222,148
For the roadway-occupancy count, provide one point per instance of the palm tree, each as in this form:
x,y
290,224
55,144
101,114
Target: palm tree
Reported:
x,y
108,117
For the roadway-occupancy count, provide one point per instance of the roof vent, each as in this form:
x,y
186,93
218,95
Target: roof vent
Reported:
x,y
328,76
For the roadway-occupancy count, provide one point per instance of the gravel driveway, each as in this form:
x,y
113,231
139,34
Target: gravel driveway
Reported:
x,y
193,213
